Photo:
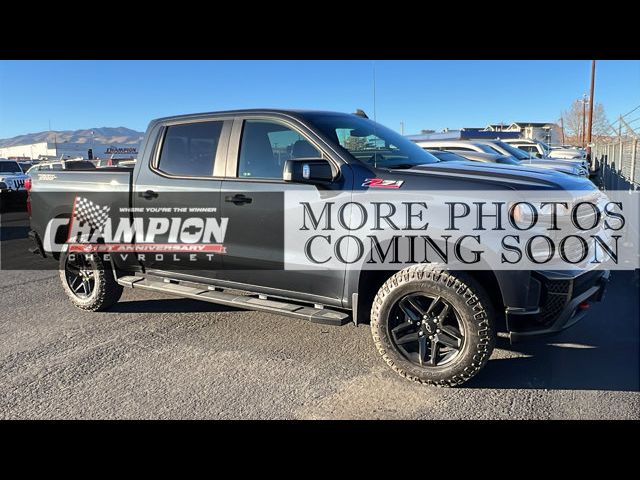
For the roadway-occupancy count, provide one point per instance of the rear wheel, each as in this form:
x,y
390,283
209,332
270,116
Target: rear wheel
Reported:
x,y
88,282
433,326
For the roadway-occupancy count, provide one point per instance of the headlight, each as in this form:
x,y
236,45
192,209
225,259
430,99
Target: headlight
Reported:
x,y
524,216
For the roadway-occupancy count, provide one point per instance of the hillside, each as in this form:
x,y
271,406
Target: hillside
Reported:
x,y
103,135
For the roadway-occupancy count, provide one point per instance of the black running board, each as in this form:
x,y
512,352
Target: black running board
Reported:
x,y
212,294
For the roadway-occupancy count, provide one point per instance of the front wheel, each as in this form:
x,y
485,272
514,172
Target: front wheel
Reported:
x,y
433,326
88,282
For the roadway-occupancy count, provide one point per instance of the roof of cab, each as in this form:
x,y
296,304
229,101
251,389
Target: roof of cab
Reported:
x,y
268,111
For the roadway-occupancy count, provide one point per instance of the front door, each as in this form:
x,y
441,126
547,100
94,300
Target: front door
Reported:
x,y
252,197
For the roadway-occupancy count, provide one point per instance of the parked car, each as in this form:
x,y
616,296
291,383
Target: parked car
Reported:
x,y
466,156
111,162
542,150
267,153
489,147
13,183
62,165
12,178
26,165
581,166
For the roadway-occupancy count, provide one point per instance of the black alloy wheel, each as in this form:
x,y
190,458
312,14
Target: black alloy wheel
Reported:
x,y
80,276
426,330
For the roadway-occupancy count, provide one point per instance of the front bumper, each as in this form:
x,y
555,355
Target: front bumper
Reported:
x,y
12,199
558,309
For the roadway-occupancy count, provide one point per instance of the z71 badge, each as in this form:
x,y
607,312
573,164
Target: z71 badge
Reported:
x,y
382,183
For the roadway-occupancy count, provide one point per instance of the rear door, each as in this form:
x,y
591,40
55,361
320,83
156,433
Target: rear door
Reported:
x,y
179,183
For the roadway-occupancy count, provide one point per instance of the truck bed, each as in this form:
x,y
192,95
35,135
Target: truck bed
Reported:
x,y
53,193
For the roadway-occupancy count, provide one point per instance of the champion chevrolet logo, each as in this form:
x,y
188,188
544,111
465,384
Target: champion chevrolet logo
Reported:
x,y
93,230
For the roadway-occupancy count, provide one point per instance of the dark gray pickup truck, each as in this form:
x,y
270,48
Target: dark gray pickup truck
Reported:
x,y
430,324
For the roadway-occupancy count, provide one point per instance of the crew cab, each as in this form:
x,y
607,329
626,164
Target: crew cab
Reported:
x,y
430,324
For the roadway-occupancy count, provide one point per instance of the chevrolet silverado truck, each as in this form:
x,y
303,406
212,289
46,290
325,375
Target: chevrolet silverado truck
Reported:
x,y
430,324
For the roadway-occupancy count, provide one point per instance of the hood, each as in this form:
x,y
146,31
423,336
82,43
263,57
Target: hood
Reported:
x,y
542,162
563,149
14,181
564,166
517,177
11,176
565,153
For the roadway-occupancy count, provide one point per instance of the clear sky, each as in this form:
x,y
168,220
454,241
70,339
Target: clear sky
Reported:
x,y
423,94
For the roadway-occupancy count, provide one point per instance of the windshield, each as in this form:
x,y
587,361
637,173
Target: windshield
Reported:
x,y
514,152
370,142
447,156
79,165
486,148
507,160
544,146
10,167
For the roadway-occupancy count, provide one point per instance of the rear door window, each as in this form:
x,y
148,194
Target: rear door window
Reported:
x,y
189,150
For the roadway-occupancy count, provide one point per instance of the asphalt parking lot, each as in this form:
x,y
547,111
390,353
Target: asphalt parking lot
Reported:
x,y
154,356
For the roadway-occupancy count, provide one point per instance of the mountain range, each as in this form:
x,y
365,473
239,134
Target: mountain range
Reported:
x,y
101,136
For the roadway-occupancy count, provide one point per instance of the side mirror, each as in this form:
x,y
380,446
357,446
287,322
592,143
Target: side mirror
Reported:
x,y
307,170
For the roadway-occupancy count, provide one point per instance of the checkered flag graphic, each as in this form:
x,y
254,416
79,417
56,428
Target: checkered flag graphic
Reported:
x,y
92,213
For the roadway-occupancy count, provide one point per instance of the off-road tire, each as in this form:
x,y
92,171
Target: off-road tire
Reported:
x,y
469,301
106,291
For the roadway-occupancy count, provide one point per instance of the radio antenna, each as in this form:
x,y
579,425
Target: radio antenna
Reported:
x,y
373,64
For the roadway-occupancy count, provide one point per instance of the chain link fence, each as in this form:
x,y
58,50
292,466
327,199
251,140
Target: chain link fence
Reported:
x,y
617,163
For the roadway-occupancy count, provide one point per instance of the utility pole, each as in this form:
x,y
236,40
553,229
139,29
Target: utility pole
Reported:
x,y
620,126
584,119
562,128
593,77
402,128
48,137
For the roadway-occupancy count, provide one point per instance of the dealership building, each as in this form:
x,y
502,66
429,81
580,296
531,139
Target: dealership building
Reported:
x,y
547,132
64,150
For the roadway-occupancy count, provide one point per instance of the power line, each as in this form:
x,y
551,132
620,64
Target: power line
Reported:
x,y
631,111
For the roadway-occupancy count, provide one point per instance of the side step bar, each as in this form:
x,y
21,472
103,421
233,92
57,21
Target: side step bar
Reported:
x,y
204,292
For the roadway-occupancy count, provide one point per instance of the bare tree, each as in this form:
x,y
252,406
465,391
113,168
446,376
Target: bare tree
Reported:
x,y
573,122
355,143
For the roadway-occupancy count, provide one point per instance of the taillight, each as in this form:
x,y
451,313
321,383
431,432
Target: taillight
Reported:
x,y
27,186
